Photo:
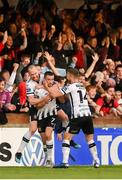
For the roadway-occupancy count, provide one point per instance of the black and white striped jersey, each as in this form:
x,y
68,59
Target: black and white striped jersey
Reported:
x,y
78,100
49,109
30,87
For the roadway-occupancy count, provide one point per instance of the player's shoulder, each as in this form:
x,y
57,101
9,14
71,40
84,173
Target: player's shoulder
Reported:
x,y
72,86
76,85
31,82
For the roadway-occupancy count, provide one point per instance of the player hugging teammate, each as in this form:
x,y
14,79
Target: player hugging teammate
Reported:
x,y
42,97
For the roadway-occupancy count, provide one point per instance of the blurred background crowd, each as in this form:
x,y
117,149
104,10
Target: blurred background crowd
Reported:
x,y
54,39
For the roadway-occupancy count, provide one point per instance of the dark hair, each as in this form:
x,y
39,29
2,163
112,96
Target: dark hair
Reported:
x,y
42,60
73,71
48,73
59,78
93,80
119,66
113,32
1,79
108,87
4,71
89,87
55,44
91,38
25,56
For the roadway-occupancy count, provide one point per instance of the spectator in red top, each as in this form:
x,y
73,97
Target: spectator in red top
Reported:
x,y
2,44
107,104
80,53
5,37
9,52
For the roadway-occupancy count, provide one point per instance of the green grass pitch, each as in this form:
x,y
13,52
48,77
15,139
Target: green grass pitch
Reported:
x,y
76,172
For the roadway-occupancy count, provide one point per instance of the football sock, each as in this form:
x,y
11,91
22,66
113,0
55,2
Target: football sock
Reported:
x,y
66,150
65,124
25,141
49,145
93,150
45,149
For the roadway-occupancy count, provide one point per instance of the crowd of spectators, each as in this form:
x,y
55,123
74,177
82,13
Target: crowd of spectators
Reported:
x,y
89,40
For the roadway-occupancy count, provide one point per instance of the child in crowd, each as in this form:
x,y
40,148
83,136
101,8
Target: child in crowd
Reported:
x,y
5,102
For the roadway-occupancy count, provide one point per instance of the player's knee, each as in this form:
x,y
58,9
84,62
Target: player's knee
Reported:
x,y
62,116
33,127
65,118
33,130
89,137
67,136
48,136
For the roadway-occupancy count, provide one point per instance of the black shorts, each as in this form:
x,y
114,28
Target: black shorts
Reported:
x,y
33,113
65,107
81,123
46,122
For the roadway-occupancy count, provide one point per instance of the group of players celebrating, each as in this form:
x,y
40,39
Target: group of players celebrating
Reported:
x,y
45,96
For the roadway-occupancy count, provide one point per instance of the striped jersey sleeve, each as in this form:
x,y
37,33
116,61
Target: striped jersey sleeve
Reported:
x,y
30,88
